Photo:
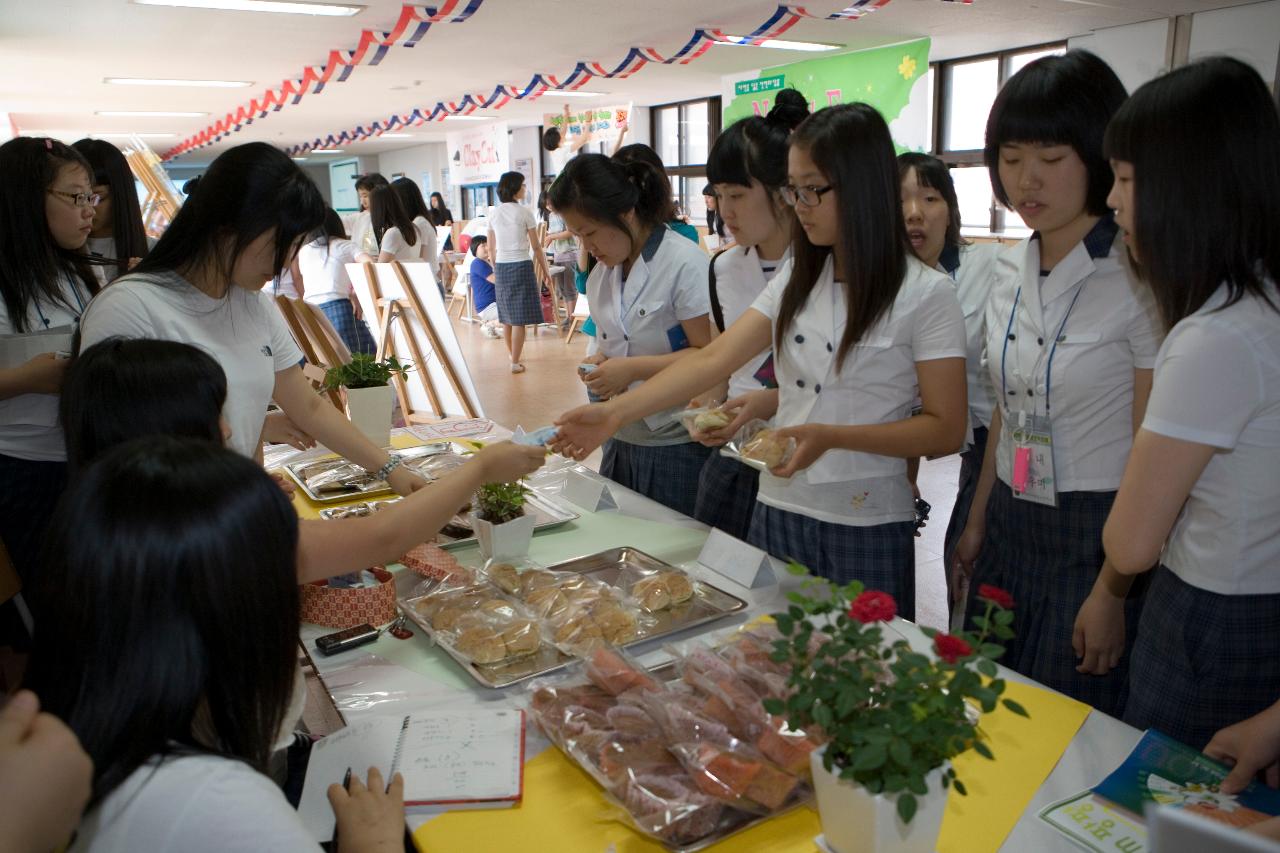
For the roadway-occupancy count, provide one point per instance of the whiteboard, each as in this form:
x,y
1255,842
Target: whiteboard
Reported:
x,y
424,283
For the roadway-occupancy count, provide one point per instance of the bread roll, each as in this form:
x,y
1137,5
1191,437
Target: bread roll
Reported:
x,y
712,420
616,624
505,577
536,579
548,603
766,447
521,638
678,586
652,593
482,645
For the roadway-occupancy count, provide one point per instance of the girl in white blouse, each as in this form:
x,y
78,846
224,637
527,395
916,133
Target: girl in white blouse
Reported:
x,y
1201,492
859,330
393,227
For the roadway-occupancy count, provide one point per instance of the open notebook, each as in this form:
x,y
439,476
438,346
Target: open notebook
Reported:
x,y
473,758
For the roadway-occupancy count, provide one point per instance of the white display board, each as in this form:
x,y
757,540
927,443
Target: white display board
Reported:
x,y
424,284
479,155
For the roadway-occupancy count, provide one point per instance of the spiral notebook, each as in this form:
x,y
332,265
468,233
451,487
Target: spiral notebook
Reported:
x,y
472,758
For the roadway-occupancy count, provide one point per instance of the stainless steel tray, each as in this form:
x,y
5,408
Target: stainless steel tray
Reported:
x,y
371,489
708,604
547,513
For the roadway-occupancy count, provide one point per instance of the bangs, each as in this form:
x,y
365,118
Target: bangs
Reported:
x,y
727,162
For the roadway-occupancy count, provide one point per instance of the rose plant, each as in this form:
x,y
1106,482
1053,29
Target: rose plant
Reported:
x,y
891,714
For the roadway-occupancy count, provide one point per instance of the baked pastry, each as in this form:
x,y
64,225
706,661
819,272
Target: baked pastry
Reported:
x,y
616,625
679,586
535,579
481,644
497,608
652,593
765,446
447,617
712,420
505,577
548,602
521,638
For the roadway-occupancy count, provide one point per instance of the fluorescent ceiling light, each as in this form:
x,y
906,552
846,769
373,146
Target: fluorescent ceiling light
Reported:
x,y
299,159
287,7
466,118
204,84
326,150
131,135
780,44
576,94
149,114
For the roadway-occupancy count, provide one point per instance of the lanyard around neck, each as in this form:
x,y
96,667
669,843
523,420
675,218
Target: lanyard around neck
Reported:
x,y
1008,334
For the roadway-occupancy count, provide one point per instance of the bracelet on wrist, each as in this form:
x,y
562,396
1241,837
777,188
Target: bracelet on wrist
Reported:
x,y
391,464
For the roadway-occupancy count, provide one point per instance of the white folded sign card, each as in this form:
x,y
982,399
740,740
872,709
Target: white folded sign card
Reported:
x,y
587,492
741,563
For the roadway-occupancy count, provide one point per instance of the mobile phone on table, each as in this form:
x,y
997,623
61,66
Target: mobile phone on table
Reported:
x,y
349,638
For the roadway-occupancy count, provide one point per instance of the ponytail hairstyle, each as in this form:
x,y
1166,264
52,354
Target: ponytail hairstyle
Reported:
x,y
109,167
411,198
638,152
755,149
386,211
850,144
934,174
34,265
604,190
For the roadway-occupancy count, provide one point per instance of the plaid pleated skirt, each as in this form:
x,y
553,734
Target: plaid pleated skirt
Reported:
x,y
1202,660
354,332
1048,560
970,468
519,298
29,493
882,556
727,495
667,474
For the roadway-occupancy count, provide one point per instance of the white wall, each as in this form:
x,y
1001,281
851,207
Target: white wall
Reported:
x,y
1248,33
526,142
432,158
1136,52
320,175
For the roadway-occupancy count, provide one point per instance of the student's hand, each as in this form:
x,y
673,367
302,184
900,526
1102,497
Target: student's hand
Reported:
x,y
584,429
45,777
610,378
506,462
1253,746
285,484
812,440
356,310
405,482
44,373
755,405
965,555
279,429
1098,636
370,819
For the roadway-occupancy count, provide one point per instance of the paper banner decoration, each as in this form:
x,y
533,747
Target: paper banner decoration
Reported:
x,y
370,50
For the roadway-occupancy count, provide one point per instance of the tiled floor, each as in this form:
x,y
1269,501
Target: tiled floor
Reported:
x,y
550,386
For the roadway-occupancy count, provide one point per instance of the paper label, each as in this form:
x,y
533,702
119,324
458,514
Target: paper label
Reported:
x,y
588,493
741,563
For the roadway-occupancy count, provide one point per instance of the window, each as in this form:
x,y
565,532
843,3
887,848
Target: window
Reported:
x,y
682,136
477,199
973,190
971,87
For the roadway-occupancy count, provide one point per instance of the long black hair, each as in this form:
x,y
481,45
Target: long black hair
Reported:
x,y
755,149
169,608
850,144
1198,226
247,191
332,229
386,211
439,215
120,389
604,190
411,198
638,152
111,168
934,174
32,264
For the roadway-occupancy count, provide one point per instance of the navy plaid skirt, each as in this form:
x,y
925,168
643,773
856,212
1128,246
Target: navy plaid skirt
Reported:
x,y
29,493
970,468
1048,559
515,287
667,474
1202,660
354,333
882,556
727,495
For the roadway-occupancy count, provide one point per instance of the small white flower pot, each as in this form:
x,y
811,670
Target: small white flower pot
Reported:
x,y
370,411
855,821
507,541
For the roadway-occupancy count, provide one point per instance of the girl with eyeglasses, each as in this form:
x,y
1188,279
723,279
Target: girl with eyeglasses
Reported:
x,y
859,330
46,280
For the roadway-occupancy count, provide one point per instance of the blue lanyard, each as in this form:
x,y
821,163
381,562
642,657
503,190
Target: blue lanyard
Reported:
x,y
75,291
1048,375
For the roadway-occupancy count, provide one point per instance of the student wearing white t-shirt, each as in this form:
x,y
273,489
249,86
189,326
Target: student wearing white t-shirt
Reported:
x,y
519,265
1200,498
202,284
361,229
860,330
118,232
46,214
413,204
322,264
393,229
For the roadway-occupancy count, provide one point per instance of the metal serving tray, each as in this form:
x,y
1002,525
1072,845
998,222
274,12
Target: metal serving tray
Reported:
x,y
547,513
356,489
708,604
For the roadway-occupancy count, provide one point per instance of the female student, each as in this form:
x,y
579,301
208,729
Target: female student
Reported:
x,y
117,232
440,215
179,556
411,201
859,329
649,300
46,214
393,228
362,226
202,284
932,215
519,265
639,152
326,285
1200,495
748,169
1070,345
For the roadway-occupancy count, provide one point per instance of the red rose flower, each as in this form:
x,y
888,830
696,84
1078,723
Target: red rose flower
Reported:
x,y
951,648
873,606
996,595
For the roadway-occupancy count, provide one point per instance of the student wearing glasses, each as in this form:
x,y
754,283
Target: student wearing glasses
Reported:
x,y
860,329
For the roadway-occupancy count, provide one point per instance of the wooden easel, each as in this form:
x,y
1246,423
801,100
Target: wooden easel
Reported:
x,y
162,202
319,343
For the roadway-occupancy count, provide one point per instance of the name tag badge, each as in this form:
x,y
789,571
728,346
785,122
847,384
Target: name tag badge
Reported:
x,y
1031,440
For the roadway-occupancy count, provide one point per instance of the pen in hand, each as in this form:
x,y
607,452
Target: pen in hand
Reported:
x,y
346,786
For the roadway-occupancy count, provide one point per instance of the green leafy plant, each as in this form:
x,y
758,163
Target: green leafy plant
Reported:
x,y
364,371
498,503
891,714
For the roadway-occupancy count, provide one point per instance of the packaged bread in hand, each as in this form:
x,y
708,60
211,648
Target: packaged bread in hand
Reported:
x,y
704,420
760,446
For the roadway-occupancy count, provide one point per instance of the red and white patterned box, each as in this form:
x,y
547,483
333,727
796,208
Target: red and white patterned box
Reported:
x,y
431,561
335,607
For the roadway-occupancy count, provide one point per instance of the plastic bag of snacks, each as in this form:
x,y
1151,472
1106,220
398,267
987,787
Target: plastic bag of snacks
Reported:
x,y
758,445
739,776
699,421
657,590
582,613
507,574
483,627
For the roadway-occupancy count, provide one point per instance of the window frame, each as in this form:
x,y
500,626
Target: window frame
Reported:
x,y
688,171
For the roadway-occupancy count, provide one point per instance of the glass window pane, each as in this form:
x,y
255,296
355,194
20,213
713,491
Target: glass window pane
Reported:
x,y
971,87
973,190
1018,61
694,132
668,134
930,82
695,203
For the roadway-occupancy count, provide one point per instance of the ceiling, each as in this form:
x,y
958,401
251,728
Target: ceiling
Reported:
x,y
57,52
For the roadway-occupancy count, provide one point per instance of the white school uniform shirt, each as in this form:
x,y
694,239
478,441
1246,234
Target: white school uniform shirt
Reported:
x,y
244,332
972,268
641,315
394,243
426,240
1217,382
324,271
876,384
1112,330
29,427
740,279
510,223
361,233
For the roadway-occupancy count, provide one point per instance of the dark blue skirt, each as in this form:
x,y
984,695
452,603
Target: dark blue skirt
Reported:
x,y
29,493
667,474
970,468
1202,660
354,332
727,495
882,556
517,293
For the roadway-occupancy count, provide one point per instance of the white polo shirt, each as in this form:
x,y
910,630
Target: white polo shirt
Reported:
x,y
740,279
324,271
1217,382
427,240
877,384
1113,329
394,243
511,223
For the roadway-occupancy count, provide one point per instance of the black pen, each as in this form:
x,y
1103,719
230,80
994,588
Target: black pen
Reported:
x,y
346,786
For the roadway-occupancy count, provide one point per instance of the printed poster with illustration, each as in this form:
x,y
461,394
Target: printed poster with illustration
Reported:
x,y
1164,772
603,123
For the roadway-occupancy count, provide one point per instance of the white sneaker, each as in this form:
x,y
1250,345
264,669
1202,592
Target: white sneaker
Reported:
x,y
517,368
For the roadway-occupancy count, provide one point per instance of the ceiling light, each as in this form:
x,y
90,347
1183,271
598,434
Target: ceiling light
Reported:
x,y
326,150
204,84
131,135
298,159
282,6
148,114
466,118
576,94
779,44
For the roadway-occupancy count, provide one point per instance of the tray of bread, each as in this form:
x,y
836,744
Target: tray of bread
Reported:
x,y
331,478
508,622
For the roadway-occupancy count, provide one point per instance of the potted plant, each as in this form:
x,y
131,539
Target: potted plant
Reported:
x,y
893,717
503,530
366,386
